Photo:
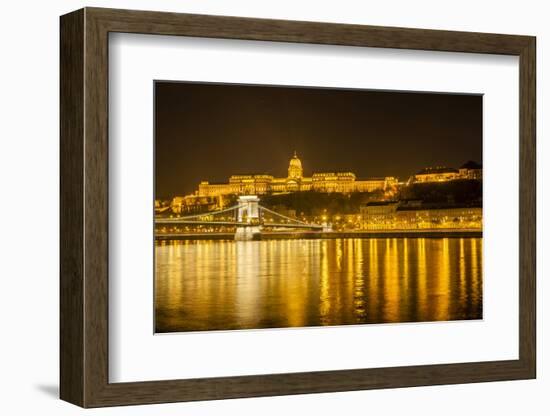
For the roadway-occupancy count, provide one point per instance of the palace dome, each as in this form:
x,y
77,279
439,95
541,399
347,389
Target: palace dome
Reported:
x,y
295,167
295,162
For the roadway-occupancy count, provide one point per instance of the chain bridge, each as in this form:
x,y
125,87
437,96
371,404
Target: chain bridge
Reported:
x,y
248,217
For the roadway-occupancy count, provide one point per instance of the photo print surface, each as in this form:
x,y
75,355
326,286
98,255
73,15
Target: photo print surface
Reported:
x,y
279,206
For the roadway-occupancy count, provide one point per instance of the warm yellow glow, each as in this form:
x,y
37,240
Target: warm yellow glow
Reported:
x,y
443,279
422,270
259,184
206,284
324,285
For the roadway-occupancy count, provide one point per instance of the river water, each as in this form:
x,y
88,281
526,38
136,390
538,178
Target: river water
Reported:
x,y
223,285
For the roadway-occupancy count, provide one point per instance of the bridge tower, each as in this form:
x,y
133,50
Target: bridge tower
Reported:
x,y
248,218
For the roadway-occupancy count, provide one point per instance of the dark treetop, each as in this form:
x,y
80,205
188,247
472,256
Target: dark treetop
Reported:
x,y
211,131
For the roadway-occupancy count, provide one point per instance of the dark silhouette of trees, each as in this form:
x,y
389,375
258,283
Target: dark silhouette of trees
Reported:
x,y
319,203
463,192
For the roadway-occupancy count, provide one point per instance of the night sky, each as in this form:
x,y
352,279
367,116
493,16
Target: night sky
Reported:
x,y
211,131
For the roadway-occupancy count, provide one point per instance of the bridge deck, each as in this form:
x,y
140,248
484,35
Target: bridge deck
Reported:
x,y
234,223
206,219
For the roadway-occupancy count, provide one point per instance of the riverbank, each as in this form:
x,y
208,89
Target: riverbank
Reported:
x,y
443,233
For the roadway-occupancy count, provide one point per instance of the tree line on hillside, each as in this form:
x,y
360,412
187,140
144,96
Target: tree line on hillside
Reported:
x,y
442,194
463,192
319,203
457,193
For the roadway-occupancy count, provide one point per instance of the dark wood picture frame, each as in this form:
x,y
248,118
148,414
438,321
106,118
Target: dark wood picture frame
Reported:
x,y
84,207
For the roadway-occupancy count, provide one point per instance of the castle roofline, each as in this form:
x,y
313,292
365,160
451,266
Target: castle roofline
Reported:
x,y
437,169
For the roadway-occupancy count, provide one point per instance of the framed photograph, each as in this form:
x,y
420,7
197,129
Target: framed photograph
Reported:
x,y
260,207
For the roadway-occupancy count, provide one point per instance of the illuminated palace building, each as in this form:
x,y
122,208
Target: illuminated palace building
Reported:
x,y
259,184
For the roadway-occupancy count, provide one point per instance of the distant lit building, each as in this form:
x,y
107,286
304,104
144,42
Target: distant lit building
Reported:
x,y
378,215
471,170
194,203
393,216
259,184
162,206
437,174
464,218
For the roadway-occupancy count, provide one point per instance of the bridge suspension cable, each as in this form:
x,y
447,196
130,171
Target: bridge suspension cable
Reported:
x,y
202,220
207,214
284,216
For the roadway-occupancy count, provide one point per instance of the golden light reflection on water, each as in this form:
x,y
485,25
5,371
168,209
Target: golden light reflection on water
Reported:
x,y
215,285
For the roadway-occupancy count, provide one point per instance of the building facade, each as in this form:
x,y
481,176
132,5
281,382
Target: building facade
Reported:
x,y
469,170
390,216
437,174
260,184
